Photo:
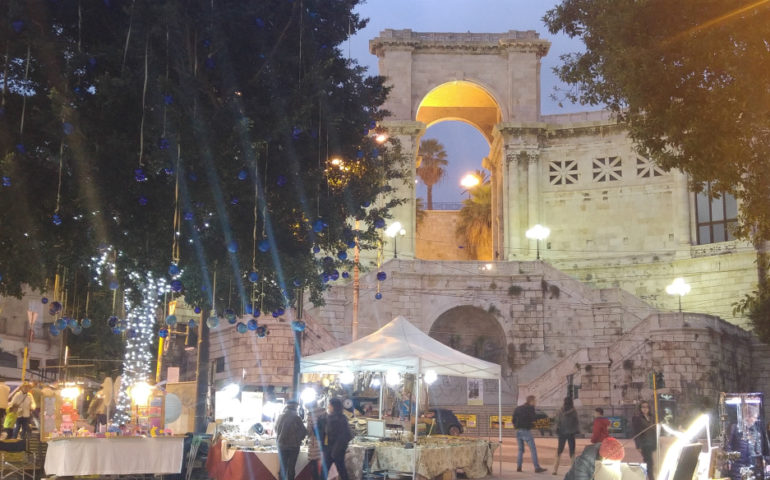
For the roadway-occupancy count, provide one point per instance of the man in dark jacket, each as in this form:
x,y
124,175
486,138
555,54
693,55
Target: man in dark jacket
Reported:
x,y
523,421
290,431
337,437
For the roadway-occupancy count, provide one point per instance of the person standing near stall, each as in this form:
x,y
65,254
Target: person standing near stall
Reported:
x,y
337,438
316,430
290,431
601,427
523,421
645,436
23,404
567,426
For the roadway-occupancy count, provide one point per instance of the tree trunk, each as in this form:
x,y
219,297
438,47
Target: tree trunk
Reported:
x,y
430,197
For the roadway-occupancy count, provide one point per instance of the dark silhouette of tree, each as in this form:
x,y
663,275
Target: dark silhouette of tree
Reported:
x,y
432,167
475,226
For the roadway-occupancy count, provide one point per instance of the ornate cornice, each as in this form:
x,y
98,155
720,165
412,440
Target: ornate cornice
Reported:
x,y
473,43
404,127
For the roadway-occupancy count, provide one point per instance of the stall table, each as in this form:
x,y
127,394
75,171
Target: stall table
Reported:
x,y
70,456
236,464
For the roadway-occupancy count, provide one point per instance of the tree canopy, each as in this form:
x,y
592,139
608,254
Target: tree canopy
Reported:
x,y
189,133
687,78
432,168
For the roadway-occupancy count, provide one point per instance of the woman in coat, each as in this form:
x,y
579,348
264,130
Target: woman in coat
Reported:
x,y
337,437
645,436
567,426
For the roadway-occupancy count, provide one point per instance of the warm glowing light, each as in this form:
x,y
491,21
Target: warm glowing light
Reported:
x,y
683,438
678,287
538,232
272,409
394,229
392,377
380,138
430,376
335,161
140,392
347,377
232,390
469,181
308,395
70,393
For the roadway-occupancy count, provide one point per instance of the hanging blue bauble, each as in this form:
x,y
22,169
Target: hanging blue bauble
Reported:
x,y
249,309
6,181
345,275
163,143
168,170
328,261
117,330
173,269
114,285
378,296
280,311
67,128
61,323
297,282
342,255
77,330
72,323
143,200
56,219
85,322
233,200
212,321
188,216
318,226
163,332
351,244
295,132
261,331
259,22
168,99
171,320
197,309
367,204
231,317
20,148
44,300
316,249
372,124
112,321
379,223
52,311
241,327
56,306
191,323
176,285
252,324
139,175
298,326
256,313
232,247
17,25
253,277
54,330
324,277
360,154
375,152
243,175
264,246
335,275
276,314
281,180
210,63
382,276
131,333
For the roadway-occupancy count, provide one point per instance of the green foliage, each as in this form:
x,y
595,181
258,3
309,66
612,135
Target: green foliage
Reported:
x,y
684,77
432,167
137,113
756,306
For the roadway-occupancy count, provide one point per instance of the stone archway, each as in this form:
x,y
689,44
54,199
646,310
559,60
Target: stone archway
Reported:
x,y
489,80
472,331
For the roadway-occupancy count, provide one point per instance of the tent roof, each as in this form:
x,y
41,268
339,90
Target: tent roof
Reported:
x,y
401,346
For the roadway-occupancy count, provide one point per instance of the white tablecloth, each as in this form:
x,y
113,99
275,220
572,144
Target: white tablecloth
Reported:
x,y
114,456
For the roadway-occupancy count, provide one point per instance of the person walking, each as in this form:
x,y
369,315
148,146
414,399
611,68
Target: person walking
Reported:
x,y
601,427
290,431
523,421
316,431
23,404
645,436
337,437
567,426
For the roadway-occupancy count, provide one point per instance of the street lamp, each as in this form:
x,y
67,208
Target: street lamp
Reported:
x,y
394,231
678,287
538,232
469,181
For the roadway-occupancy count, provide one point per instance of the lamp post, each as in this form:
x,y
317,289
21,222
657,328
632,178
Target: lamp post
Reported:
x,y
469,181
678,287
538,232
394,231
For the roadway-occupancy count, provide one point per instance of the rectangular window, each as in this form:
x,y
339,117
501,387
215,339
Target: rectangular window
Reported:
x,y
716,217
34,364
219,366
8,359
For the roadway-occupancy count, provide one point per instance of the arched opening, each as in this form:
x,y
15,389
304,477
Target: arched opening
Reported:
x,y
455,218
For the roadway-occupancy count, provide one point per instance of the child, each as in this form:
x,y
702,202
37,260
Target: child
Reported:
x,y
9,423
601,428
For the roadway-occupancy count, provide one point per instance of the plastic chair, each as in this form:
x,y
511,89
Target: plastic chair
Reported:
x,y
16,461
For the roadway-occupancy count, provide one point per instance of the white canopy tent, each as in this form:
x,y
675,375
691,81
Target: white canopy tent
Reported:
x,y
401,346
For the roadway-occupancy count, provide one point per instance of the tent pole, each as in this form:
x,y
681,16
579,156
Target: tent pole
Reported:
x,y
382,389
416,413
500,423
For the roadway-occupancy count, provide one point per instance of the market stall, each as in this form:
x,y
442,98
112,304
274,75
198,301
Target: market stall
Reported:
x,y
228,462
400,346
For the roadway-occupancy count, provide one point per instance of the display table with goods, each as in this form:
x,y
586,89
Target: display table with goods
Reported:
x,y
247,458
124,455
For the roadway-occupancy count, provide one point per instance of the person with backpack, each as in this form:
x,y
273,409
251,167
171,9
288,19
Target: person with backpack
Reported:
x,y
567,426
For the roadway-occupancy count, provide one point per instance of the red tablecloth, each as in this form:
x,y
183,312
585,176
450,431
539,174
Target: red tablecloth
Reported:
x,y
248,466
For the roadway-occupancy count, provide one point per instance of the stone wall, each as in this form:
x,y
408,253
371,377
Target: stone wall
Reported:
x,y
436,237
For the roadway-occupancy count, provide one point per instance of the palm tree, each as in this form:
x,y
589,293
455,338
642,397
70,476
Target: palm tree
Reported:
x,y
475,225
431,168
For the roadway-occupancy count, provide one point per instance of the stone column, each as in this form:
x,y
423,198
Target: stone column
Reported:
x,y
533,190
682,217
512,204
